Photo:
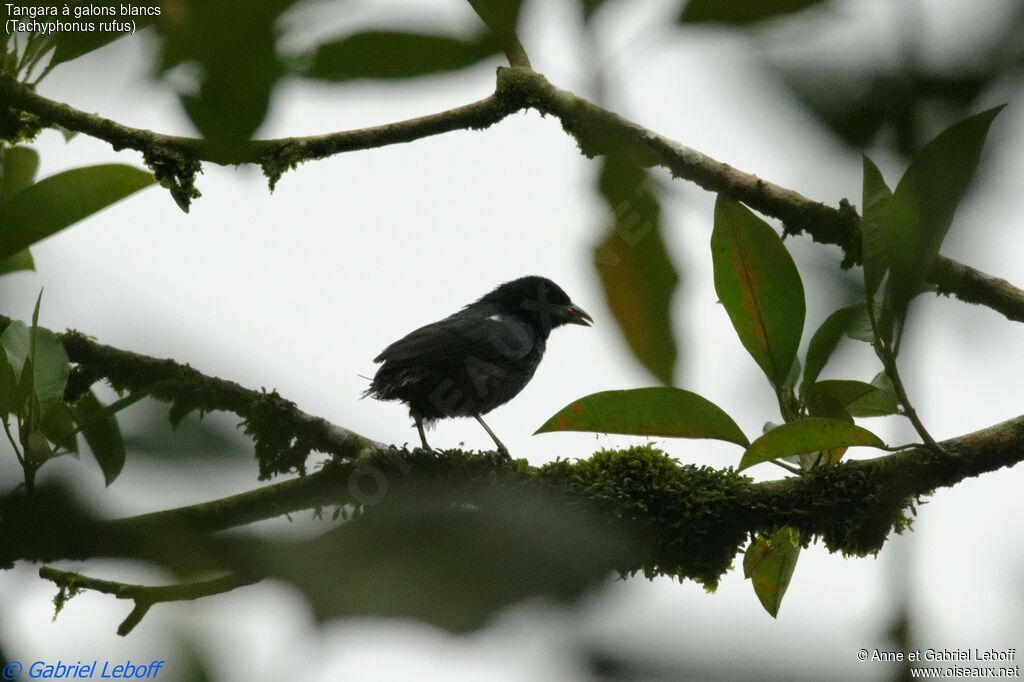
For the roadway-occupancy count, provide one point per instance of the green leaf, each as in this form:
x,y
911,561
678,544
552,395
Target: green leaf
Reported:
x,y
37,449
759,285
51,370
61,200
877,399
826,339
920,212
769,563
501,17
49,373
102,433
874,237
812,434
59,427
657,411
638,278
394,54
20,165
16,262
740,12
823,405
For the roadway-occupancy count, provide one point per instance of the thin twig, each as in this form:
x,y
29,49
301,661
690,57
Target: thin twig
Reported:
x,y
145,596
593,127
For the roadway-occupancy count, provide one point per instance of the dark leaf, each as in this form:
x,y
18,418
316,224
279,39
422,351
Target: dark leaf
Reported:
x,y
102,433
500,16
877,399
58,425
638,277
392,54
769,563
759,285
741,12
74,44
875,246
812,434
234,44
61,200
921,209
658,411
8,385
37,449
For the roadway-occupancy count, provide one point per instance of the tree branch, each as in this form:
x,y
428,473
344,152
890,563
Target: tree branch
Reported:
x,y
144,596
284,436
596,130
693,519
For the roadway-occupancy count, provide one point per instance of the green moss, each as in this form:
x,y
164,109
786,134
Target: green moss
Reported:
x,y
18,126
685,514
65,593
176,172
275,165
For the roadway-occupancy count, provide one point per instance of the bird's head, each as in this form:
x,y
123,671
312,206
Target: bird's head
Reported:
x,y
540,302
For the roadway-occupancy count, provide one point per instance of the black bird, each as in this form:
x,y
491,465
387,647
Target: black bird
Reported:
x,y
476,359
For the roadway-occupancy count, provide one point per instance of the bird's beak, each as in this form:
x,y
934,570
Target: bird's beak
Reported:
x,y
577,315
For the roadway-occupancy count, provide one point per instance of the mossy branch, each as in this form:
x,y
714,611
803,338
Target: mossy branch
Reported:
x,y
691,520
595,129
284,436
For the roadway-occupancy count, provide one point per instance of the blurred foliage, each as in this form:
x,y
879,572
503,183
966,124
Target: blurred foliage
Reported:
x,y
740,12
636,272
237,61
899,103
193,441
393,54
452,562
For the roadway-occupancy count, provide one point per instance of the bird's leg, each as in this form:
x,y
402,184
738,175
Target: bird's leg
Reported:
x,y
502,450
423,436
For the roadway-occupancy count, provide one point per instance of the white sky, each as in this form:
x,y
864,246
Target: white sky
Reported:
x,y
299,290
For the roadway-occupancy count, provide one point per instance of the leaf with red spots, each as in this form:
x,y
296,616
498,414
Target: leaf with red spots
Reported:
x,y
769,563
656,411
758,283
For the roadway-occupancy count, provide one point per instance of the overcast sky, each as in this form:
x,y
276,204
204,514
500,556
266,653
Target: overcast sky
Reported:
x,y
299,290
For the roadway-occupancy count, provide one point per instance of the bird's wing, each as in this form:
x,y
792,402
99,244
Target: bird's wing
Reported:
x,y
492,337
